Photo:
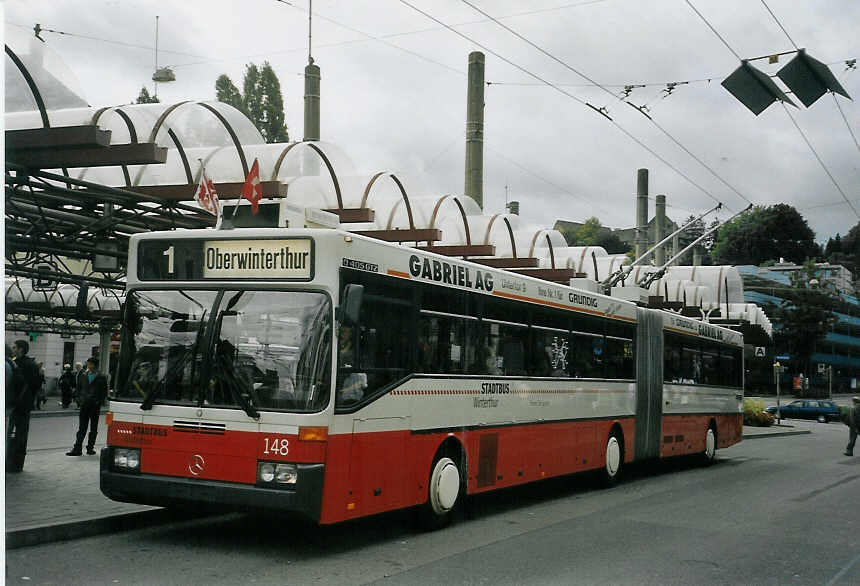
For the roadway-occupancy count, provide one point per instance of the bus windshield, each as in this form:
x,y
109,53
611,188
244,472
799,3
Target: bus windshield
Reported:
x,y
253,350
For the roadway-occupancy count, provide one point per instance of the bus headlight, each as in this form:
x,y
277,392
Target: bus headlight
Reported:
x,y
286,473
127,459
266,472
276,473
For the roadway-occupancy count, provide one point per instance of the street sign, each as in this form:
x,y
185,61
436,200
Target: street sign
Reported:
x,y
783,357
759,351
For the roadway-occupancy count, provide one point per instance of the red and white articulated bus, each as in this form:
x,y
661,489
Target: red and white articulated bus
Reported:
x,y
336,376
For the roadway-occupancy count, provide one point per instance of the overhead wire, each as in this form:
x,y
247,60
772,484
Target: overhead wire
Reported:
x,y
615,96
820,161
601,111
378,39
847,125
790,40
796,125
110,41
719,36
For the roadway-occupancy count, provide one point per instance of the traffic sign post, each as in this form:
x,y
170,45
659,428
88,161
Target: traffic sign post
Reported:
x,y
777,370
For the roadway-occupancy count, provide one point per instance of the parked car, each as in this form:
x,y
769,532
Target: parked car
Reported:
x,y
823,411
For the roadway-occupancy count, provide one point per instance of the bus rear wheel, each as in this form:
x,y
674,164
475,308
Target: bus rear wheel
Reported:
x,y
710,452
613,461
443,493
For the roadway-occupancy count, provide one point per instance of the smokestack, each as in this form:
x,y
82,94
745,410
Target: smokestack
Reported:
x,y
474,187
312,101
660,253
641,212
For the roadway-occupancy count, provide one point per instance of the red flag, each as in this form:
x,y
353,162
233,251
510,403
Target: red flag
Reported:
x,y
206,195
252,190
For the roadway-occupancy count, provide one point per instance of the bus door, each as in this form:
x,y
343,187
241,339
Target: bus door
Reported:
x,y
649,383
378,465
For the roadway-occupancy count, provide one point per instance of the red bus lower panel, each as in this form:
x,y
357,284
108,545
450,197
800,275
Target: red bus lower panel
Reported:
x,y
370,473
686,434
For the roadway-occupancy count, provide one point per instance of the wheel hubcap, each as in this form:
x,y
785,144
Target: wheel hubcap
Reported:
x,y
444,485
710,444
613,456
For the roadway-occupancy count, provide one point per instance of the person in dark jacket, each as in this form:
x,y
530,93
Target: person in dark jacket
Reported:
x,y
852,420
67,386
92,391
23,386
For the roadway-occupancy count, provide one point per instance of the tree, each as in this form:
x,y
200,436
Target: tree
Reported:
x,y
805,315
592,233
228,93
145,98
261,100
845,251
764,233
613,244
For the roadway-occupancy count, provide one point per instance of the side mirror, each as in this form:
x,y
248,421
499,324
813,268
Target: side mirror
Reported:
x,y
350,307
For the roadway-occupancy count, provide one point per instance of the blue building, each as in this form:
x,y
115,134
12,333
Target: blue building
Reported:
x,y
771,286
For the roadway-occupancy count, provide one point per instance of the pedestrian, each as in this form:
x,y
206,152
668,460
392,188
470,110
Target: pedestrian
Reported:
x,y
67,386
92,391
41,395
851,417
23,387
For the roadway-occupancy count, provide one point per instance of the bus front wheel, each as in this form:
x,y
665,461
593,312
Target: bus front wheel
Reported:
x,y
443,493
614,458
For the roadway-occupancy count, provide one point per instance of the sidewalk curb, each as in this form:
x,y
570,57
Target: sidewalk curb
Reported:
x,y
777,434
86,528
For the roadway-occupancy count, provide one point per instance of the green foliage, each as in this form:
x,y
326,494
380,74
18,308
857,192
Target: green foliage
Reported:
x,y
754,414
261,100
228,93
845,250
765,233
587,234
613,244
145,98
272,124
592,233
806,315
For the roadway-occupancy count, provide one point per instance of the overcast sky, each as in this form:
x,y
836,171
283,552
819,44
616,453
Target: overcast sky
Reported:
x,y
394,91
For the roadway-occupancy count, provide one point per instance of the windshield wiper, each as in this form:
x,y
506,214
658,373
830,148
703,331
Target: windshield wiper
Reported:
x,y
231,381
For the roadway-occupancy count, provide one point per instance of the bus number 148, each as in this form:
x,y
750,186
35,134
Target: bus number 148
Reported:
x,y
277,446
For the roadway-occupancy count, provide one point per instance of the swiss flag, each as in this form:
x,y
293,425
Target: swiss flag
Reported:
x,y
252,190
206,195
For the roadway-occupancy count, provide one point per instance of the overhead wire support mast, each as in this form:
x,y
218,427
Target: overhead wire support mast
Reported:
x,y
605,112
622,273
646,281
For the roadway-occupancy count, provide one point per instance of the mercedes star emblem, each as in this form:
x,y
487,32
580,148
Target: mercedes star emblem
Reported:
x,y
196,465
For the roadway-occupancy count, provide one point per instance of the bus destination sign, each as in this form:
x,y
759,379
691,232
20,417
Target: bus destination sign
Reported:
x,y
290,259
194,259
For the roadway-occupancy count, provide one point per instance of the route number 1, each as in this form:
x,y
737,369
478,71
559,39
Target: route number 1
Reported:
x,y
169,254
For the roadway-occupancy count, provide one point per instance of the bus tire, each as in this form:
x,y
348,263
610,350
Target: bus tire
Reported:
x,y
710,453
443,494
613,459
